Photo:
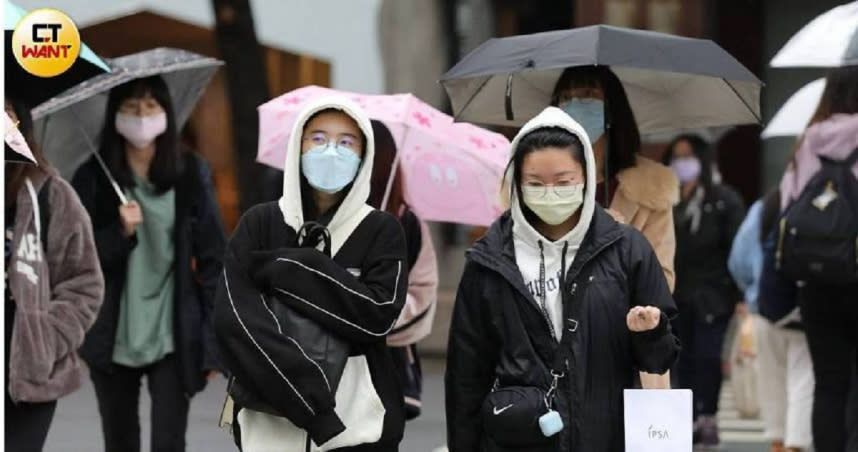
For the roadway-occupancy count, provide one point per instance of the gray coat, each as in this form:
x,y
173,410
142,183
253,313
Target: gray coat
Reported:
x,y
57,288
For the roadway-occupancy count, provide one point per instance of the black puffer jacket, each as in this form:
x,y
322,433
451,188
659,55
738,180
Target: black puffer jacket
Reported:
x,y
704,287
498,332
200,241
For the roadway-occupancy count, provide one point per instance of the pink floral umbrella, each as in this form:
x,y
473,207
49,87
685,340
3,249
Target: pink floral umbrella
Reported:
x,y
451,171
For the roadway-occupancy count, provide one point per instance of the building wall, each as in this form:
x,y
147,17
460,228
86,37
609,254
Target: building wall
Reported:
x,y
344,32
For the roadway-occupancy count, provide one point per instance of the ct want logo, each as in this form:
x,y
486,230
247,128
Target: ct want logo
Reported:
x,y
46,42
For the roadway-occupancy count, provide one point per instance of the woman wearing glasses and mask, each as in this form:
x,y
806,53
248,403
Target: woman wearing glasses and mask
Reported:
x,y
558,307
312,286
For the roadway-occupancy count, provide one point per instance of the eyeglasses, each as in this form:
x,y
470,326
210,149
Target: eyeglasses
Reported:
x,y
346,141
562,189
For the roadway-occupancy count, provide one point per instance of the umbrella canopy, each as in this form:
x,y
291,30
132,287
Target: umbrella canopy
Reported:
x,y
16,149
66,124
796,112
671,82
830,40
34,89
451,171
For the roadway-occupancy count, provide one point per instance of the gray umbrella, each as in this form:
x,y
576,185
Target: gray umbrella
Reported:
x,y
672,82
69,124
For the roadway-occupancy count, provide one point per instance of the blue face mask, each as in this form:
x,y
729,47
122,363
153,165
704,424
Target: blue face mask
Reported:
x,y
590,113
329,168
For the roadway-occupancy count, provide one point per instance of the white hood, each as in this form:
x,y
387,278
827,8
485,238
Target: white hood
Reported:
x,y
528,255
353,208
555,117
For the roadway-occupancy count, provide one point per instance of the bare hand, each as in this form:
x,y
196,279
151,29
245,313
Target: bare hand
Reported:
x,y
620,218
643,318
130,215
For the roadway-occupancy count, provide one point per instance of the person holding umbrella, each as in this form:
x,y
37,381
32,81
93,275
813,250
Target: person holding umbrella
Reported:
x,y
640,192
53,291
161,255
415,322
558,306
829,312
707,219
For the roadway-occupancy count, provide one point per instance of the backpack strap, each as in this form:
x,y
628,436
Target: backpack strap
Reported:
x,y
45,211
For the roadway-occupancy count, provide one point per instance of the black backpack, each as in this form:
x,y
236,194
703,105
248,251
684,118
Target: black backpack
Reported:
x,y
818,236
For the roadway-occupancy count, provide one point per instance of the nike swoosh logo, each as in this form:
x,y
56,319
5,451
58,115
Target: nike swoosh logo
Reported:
x,y
499,411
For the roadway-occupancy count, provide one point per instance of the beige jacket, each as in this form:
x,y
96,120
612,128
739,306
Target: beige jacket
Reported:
x,y
645,198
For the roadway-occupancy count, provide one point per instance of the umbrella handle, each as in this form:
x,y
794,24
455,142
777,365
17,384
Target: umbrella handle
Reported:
x,y
393,170
104,167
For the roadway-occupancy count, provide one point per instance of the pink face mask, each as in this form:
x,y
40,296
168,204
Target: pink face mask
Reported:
x,y
141,131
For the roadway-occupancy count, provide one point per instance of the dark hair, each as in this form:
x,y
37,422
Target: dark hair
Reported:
x,y
382,163
537,140
624,139
840,95
167,163
701,150
17,173
308,202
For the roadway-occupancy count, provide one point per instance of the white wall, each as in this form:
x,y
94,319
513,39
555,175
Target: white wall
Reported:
x,y
344,32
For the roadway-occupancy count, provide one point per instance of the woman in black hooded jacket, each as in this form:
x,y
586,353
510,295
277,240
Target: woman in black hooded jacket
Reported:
x,y
555,276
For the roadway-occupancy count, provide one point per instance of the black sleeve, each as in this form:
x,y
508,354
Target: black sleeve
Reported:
x,y
413,236
361,310
209,241
112,245
656,350
254,350
470,365
734,214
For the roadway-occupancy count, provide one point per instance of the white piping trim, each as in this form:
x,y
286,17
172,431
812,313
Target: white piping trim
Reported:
x,y
325,377
395,288
384,333
264,303
234,310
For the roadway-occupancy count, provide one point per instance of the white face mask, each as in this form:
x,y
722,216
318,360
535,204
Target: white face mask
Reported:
x,y
141,131
554,205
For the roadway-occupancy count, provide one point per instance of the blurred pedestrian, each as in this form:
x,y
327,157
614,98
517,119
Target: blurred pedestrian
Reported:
x,y
641,192
707,219
161,257
785,371
415,322
553,273
829,311
305,307
53,291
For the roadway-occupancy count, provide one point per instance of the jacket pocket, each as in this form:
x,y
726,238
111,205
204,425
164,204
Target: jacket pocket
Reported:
x,y
358,406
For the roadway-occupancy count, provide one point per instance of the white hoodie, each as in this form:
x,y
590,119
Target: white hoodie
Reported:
x,y
528,255
357,402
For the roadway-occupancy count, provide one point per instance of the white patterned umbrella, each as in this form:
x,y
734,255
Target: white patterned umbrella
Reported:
x,y
67,124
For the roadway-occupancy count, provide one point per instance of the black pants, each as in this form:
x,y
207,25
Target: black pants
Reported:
x,y
118,396
27,425
831,323
700,360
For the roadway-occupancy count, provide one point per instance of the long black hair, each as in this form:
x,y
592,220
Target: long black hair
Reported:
x,y
382,165
167,164
624,139
537,140
17,173
701,150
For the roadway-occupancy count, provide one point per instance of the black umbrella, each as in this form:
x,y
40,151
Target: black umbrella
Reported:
x,y
672,82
